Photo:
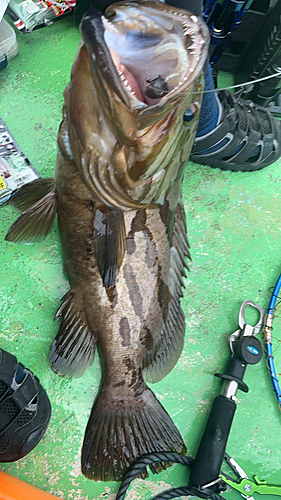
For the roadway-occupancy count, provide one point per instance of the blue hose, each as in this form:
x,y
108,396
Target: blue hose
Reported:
x,y
268,340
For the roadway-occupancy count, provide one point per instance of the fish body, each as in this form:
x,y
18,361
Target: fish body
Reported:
x,y
123,144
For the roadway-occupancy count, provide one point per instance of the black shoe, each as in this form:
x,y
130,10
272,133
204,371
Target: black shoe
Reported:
x,y
247,138
25,409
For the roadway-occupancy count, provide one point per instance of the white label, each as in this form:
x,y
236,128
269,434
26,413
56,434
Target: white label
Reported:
x,y
30,7
16,181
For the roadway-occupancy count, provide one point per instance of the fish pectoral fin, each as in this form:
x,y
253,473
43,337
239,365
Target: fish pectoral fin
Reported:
x,y
73,349
35,223
120,430
32,192
110,243
163,356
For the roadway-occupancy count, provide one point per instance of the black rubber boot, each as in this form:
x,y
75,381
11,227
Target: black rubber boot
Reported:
x,y
25,409
248,137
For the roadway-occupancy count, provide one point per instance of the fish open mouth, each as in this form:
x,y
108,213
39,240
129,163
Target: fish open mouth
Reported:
x,y
137,72
144,54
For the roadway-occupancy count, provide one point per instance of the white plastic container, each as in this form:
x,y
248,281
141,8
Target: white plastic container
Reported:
x,y
8,41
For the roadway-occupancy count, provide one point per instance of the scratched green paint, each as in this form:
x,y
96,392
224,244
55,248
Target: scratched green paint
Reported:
x,y
234,224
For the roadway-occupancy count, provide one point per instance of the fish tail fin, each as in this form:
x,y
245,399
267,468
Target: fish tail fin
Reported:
x,y
121,430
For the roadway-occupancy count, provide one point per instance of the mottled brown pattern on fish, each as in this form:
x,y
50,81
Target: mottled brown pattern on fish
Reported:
x,y
138,224
131,246
134,290
112,295
146,338
124,330
164,213
163,297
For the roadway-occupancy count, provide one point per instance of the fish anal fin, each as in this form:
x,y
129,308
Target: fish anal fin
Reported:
x,y
120,432
110,243
35,223
32,192
161,358
73,349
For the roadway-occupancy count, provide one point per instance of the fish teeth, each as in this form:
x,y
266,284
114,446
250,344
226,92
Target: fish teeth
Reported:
x,y
125,82
187,31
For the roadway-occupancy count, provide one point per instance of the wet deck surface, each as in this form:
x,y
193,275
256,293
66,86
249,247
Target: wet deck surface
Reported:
x,y
234,223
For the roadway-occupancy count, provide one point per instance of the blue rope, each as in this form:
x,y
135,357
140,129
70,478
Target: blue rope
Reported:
x,y
268,345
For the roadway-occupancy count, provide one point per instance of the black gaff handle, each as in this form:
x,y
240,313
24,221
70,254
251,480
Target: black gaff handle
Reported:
x,y
207,464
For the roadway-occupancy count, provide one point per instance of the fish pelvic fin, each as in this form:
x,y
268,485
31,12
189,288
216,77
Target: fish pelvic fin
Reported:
x,y
110,243
73,349
35,223
120,431
162,358
32,192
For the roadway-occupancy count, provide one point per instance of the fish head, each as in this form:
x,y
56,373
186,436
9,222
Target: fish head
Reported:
x,y
132,106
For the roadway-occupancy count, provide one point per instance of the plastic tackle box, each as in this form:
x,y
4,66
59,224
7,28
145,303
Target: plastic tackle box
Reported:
x,y
8,41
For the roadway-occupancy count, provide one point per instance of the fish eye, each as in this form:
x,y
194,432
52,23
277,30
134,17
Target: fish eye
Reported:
x,y
190,114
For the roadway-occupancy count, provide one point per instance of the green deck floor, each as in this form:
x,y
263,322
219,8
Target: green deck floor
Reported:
x,y
234,223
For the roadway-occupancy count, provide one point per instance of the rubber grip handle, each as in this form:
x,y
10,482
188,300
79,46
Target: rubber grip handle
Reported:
x,y
207,464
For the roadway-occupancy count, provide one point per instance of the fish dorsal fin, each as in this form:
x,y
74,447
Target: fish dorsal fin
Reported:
x,y
163,356
35,223
32,192
110,243
73,349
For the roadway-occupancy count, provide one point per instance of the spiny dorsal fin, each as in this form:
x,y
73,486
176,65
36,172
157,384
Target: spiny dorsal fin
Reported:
x,y
110,243
35,223
32,192
161,359
73,349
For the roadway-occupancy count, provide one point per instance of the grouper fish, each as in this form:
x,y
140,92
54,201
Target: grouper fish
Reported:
x,y
123,143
